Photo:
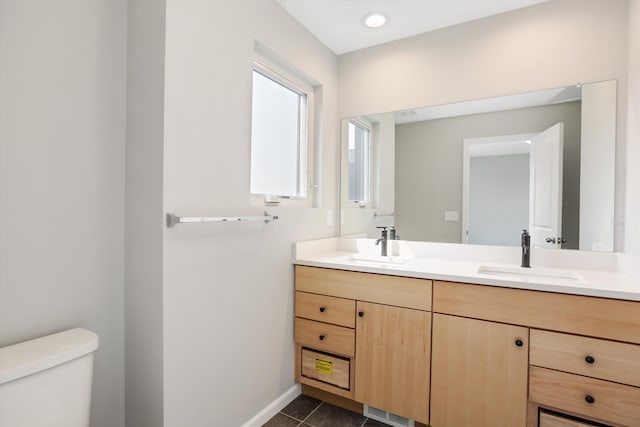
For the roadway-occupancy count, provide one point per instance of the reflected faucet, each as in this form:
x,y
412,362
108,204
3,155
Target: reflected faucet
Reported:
x,y
383,240
526,249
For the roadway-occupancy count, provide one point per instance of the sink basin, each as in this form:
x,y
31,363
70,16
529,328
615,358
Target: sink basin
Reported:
x,y
379,259
531,274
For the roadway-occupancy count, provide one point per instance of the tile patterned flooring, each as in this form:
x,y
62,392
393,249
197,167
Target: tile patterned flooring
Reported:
x,y
306,411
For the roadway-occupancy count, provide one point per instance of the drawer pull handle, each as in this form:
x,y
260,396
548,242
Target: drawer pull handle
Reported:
x,y
322,309
590,359
321,337
519,343
590,399
361,313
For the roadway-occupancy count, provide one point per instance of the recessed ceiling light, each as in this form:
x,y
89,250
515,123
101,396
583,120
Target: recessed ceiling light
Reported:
x,y
375,19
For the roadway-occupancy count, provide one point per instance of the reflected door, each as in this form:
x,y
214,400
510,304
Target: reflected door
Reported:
x,y
545,195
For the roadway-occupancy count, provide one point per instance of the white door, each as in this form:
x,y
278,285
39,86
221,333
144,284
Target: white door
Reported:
x,y
545,195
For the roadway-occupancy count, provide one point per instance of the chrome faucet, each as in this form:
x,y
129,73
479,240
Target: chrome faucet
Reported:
x,y
526,249
384,238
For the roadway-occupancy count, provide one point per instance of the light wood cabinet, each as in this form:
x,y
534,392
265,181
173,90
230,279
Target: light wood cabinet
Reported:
x,y
338,311
381,288
590,357
598,400
392,359
326,368
323,336
590,316
479,373
454,354
572,328
384,343
588,377
549,420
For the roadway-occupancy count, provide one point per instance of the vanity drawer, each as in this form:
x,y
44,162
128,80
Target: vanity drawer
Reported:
x,y
338,311
592,357
322,336
399,291
548,420
612,403
325,367
591,316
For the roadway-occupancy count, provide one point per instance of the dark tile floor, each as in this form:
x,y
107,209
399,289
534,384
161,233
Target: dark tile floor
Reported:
x,y
306,411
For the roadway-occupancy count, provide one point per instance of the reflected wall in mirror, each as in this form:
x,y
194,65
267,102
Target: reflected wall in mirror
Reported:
x,y
431,188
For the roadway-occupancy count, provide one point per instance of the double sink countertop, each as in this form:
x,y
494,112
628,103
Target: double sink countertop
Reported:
x,y
597,274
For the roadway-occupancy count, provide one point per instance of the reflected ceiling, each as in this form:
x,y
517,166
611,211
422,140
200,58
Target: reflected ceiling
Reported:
x,y
488,105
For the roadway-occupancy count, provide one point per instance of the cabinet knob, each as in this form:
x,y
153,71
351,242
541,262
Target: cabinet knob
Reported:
x,y
590,359
361,313
321,337
322,309
589,398
519,343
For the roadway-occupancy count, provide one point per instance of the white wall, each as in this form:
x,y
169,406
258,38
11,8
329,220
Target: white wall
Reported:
x,y
548,45
144,221
632,244
228,287
62,142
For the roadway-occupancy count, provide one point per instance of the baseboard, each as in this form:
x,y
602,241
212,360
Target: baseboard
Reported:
x,y
274,407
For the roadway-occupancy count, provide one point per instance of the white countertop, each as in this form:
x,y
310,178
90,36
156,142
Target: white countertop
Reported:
x,y
571,272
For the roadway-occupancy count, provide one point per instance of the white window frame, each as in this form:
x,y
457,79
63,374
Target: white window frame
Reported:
x,y
291,79
365,124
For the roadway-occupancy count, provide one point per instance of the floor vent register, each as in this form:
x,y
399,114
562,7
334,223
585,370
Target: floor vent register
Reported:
x,y
387,417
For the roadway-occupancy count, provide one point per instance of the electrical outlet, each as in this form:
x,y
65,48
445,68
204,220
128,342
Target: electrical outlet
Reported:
x,y
451,216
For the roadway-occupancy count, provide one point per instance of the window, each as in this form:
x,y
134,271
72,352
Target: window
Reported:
x,y
359,161
280,134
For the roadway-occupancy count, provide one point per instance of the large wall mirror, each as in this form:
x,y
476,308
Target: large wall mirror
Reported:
x,y
479,172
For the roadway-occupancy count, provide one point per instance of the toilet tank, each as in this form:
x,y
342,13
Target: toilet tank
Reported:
x,y
46,382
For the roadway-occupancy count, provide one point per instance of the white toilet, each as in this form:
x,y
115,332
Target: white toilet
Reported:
x,y
46,382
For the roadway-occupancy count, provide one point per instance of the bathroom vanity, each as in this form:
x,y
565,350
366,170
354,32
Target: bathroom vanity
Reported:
x,y
380,325
446,347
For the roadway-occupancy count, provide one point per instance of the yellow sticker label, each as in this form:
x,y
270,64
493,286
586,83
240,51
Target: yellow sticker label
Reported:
x,y
323,366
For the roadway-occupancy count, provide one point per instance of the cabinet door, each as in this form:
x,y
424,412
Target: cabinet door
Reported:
x,y
479,373
392,359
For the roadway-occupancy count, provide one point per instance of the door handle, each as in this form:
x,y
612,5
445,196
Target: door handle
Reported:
x,y
550,240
